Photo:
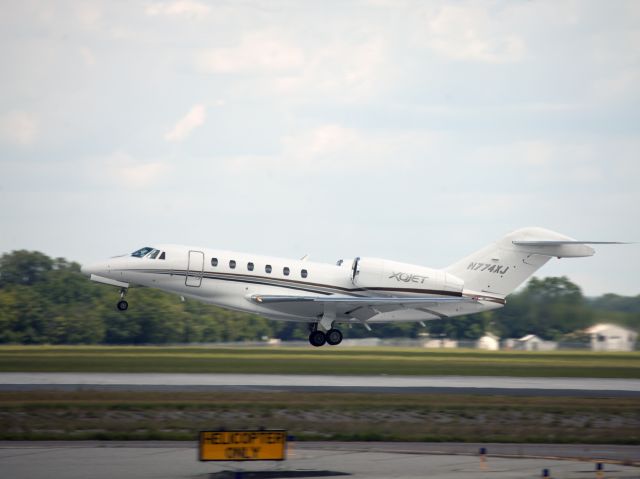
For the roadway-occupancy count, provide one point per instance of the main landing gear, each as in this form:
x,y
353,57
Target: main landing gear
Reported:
x,y
122,304
318,338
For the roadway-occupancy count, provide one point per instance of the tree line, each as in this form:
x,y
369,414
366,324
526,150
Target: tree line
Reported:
x,y
47,300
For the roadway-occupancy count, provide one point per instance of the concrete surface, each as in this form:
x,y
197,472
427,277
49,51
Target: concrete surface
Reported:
x,y
425,384
70,460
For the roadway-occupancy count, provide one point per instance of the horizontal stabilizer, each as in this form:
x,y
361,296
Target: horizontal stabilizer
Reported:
x,y
553,242
560,248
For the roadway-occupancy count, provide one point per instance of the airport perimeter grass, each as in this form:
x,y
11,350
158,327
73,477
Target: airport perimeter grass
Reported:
x,y
327,360
318,416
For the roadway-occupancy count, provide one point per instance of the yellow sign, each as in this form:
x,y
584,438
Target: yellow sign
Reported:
x,y
265,445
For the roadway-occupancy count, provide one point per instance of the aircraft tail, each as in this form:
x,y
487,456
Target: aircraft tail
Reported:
x,y
502,266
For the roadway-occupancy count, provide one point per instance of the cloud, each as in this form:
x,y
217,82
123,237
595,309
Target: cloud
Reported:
x,y
188,8
329,144
88,57
88,15
330,148
468,32
256,52
349,70
134,174
18,128
144,175
192,120
325,148
618,86
400,104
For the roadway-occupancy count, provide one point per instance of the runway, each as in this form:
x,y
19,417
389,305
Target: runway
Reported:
x,y
160,460
274,382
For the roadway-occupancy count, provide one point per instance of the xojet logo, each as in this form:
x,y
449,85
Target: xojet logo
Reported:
x,y
409,278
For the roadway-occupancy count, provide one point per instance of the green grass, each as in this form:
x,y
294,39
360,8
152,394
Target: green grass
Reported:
x,y
319,416
332,361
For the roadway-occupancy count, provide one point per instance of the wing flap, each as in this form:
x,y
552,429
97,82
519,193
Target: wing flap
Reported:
x,y
362,308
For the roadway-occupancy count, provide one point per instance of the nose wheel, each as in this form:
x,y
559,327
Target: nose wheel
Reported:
x,y
122,304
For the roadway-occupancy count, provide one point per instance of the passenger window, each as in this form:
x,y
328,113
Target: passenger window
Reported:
x,y
154,253
250,266
161,256
285,270
267,268
303,273
214,262
232,264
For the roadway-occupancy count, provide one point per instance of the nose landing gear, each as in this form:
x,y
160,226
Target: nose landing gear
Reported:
x,y
122,304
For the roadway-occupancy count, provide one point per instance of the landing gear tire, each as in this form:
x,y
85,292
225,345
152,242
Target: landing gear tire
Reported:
x,y
317,338
334,337
122,305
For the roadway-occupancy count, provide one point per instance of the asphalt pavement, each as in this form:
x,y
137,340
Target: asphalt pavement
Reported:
x,y
164,460
276,382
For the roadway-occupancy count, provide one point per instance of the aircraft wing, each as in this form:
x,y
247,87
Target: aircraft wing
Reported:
x,y
360,307
359,300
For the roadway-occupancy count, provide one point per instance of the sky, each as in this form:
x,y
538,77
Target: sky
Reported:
x,y
417,131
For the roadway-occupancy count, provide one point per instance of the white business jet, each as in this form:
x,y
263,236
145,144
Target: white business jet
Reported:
x,y
362,290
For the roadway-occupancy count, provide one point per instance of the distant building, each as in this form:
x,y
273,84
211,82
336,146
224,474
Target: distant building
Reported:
x,y
440,343
530,342
368,342
611,337
489,341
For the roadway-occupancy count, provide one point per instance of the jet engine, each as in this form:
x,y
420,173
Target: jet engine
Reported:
x,y
393,277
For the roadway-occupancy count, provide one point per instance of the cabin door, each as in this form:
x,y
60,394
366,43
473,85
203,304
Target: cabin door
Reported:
x,y
195,268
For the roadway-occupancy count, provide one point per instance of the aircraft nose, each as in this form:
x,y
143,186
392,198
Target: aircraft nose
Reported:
x,y
87,270
94,268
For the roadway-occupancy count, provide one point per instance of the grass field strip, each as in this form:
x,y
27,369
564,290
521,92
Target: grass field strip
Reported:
x,y
319,415
338,361
334,416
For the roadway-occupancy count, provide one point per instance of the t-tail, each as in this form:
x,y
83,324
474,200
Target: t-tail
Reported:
x,y
499,268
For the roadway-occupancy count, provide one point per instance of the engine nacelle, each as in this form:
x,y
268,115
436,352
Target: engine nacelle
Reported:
x,y
393,277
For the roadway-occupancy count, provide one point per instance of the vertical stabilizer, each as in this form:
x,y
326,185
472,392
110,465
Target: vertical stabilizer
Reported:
x,y
502,266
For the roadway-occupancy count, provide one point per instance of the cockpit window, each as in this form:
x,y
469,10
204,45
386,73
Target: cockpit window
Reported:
x,y
141,252
154,254
162,256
